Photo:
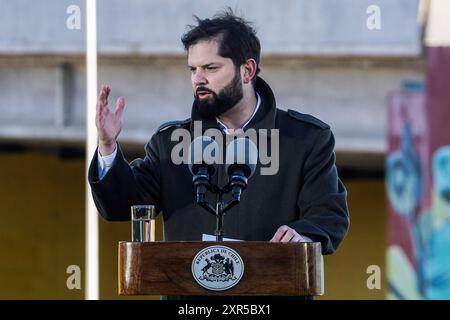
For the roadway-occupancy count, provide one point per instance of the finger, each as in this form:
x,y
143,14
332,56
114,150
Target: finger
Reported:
x,y
99,114
102,101
100,109
104,93
120,105
99,119
101,97
288,236
107,91
297,238
279,234
102,89
276,237
102,113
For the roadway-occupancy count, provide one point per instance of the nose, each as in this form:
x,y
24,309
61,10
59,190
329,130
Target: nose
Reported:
x,y
198,78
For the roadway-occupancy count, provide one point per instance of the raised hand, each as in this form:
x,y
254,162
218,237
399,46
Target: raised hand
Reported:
x,y
108,123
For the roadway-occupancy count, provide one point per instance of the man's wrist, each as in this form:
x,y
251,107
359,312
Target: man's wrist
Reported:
x,y
106,149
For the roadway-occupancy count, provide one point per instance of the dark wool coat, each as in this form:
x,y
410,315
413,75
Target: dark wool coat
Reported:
x,y
306,193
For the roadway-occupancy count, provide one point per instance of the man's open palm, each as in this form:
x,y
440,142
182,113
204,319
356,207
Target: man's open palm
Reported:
x,y
108,123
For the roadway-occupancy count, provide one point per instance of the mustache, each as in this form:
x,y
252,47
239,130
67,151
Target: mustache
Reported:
x,y
203,89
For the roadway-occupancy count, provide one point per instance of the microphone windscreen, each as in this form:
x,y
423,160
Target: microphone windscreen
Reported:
x,y
241,153
203,153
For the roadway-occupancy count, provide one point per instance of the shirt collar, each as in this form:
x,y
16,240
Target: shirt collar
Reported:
x,y
224,128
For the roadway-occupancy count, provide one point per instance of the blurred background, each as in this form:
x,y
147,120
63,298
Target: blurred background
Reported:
x,y
376,71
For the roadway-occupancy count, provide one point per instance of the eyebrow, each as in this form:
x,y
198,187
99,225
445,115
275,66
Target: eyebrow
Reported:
x,y
207,65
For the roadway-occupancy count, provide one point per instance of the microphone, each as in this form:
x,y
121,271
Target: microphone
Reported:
x,y
202,155
241,159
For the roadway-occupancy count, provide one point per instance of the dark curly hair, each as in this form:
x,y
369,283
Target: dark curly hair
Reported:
x,y
236,37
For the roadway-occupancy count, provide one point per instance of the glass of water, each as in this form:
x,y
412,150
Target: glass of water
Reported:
x,y
143,223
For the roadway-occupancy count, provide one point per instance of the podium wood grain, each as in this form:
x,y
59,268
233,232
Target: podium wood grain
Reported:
x,y
164,268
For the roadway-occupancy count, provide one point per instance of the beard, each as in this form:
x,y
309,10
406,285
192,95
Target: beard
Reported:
x,y
220,103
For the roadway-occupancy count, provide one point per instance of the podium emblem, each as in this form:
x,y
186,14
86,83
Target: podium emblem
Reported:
x,y
217,268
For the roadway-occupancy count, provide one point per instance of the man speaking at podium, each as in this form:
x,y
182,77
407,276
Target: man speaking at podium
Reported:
x,y
304,200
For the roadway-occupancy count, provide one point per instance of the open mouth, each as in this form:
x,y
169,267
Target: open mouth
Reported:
x,y
203,94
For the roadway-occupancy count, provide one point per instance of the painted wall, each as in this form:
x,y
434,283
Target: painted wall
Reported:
x,y
418,181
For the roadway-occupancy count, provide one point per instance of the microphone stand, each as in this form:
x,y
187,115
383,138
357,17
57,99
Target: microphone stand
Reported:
x,y
221,207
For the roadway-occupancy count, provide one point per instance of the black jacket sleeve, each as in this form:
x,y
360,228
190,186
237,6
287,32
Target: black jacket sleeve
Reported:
x,y
322,199
126,184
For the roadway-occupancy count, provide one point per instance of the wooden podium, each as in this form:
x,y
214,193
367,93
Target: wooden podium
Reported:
x,y
165,268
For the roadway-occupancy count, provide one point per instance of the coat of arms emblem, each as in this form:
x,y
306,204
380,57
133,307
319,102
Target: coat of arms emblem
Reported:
x,y
217,268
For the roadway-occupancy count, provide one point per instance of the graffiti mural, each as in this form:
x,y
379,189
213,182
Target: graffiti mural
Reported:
x,y
418,189
436,267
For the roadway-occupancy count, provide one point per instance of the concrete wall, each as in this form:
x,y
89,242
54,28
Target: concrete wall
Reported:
x,y
47,102
319,56
320,27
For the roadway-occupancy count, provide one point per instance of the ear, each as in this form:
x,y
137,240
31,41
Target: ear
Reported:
x,y
249,68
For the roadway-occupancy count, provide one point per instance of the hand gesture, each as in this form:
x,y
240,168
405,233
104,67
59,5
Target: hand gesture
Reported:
x,y
108,123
